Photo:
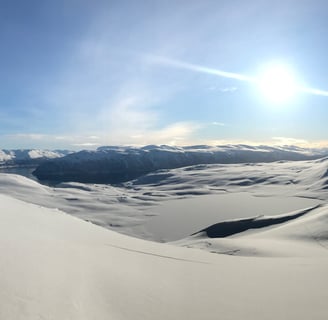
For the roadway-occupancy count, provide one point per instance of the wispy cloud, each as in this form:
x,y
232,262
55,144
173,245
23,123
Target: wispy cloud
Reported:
x,y
223,89
179,133
86,144
228,89
26,136
46,141
290,141
220,124
174,134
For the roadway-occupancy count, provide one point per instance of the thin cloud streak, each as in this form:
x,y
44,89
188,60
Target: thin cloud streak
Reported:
x,y
316,92
197,68
222,73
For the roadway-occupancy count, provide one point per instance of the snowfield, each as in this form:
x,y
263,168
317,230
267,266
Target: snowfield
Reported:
x,y
246,241
54,266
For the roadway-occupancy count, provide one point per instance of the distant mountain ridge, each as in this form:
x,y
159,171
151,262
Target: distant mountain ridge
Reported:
x,y
28,156
114,164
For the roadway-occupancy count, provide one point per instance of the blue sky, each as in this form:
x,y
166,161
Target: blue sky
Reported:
x,y
79,74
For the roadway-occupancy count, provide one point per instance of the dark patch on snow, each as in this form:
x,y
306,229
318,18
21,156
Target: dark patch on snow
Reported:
x,y
229,228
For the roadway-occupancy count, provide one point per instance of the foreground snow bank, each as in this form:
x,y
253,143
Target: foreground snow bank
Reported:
x,y
54,266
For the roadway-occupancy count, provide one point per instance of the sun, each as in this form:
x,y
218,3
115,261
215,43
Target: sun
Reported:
x,y
277,83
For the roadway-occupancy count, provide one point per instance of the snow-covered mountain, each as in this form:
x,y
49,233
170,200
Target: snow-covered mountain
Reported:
x,y
116,164
28,156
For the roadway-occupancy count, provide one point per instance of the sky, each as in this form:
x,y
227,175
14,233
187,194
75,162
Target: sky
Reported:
x,y
78,74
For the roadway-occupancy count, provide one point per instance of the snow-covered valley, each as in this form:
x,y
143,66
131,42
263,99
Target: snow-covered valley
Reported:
x,y
250,241
192,197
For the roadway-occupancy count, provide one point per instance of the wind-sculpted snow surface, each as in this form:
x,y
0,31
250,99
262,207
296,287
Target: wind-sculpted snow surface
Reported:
x,y
119,164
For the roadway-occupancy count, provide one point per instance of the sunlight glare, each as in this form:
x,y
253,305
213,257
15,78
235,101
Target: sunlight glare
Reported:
x,y
277,83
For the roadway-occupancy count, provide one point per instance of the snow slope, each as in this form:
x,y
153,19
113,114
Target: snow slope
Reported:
x,y
54,266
